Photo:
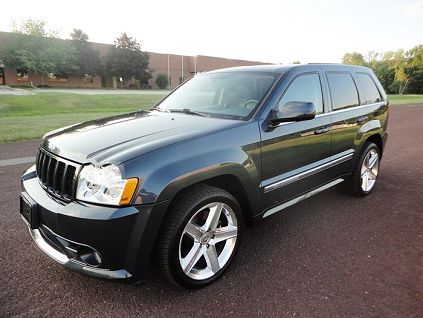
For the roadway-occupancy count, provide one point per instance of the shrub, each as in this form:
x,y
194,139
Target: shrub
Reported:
x,y
161,81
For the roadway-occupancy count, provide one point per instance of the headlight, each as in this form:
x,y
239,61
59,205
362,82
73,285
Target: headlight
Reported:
x,y
105,185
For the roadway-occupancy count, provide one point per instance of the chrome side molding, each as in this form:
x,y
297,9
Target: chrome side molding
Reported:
x,y
307,173
301,197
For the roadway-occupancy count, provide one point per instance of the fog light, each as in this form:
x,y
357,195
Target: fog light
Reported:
x,y
89,256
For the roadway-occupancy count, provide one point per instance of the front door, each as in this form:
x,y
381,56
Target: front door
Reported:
x,y
292,152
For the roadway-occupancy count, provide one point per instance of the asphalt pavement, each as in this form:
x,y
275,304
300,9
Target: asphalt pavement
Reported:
x,y
330,256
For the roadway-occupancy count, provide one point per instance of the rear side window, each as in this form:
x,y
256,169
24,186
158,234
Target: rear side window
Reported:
x,y
304,88
369,94
342,90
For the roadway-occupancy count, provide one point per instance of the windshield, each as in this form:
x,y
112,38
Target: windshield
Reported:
x,y
227,94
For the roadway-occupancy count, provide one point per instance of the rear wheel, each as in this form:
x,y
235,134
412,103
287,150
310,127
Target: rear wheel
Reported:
x,y
201,237
366,172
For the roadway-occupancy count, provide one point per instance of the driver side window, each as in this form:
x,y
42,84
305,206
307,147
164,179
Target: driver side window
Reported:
x,y
304,88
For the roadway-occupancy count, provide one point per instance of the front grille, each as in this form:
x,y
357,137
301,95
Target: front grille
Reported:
x,y
56,175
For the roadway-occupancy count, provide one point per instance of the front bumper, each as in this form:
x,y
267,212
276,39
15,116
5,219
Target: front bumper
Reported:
x,y
72,264
121,237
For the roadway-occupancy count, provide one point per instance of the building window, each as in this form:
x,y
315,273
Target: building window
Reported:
x,y
61,78
22,75
89,79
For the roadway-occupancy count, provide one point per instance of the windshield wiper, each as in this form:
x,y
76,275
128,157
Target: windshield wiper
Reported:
x,y
185,111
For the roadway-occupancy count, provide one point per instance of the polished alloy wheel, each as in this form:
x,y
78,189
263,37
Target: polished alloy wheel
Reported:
x,y
369,170
208,241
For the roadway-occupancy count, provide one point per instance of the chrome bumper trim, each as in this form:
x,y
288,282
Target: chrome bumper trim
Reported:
x,y
71,264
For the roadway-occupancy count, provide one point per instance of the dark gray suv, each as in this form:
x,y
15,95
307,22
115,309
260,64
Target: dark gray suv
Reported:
x,y
173,187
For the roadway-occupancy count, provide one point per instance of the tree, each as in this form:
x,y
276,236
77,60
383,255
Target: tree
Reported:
x,y
415,56
414,70
353,58
127,60
398,71
34,49
87,57
127,42
79,35
161,81
34,27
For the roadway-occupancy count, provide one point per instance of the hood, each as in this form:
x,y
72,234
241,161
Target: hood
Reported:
x,y
120,138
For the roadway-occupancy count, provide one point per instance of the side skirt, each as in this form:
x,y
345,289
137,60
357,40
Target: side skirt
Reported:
x,y
302,197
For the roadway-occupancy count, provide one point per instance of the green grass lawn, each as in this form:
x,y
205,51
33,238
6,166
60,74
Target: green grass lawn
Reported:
x,y
30,117
405,99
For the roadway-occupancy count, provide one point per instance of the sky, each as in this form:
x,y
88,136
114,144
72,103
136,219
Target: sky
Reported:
x,y
261,30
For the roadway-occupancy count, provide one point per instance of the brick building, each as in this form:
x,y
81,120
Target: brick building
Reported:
x,y
176,67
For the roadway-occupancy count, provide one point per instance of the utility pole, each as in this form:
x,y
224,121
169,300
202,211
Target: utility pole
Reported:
x,y
168,72
182,69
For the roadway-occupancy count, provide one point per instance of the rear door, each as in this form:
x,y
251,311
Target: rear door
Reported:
x,y
291,151
350,111
344,98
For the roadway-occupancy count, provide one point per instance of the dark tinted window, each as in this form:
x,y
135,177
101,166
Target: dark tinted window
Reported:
x,y
342,90
369,93
304,88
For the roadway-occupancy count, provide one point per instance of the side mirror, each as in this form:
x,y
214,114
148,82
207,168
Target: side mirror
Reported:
x,y
293,111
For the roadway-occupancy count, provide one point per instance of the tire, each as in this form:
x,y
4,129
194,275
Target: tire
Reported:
x,y
366,171
200,237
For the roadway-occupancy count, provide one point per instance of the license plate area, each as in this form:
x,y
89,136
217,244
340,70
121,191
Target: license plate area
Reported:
x,y
29,210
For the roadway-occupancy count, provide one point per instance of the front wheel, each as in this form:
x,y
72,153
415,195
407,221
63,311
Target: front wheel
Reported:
x,y
200,237
366,172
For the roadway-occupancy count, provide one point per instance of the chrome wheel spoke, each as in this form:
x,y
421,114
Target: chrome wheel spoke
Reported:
x,y
365,183
213,217
372,175
224,233
372,161
367,160
212,259
194,231
189,261
363,173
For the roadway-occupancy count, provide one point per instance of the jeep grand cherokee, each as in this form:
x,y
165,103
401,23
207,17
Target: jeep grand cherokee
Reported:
x,y
180,181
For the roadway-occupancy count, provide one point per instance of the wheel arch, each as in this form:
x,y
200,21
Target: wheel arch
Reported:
x,y
371,131
376,139
228,182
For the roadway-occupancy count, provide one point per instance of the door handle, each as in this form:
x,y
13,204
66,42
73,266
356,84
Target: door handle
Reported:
x,y
362,119
321,130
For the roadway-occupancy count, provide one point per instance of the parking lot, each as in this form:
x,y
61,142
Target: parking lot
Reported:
x,y
330,256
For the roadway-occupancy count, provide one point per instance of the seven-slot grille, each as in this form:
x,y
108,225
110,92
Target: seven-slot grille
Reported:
x,y
56,175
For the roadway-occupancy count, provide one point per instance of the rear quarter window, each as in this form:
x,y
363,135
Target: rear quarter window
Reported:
x,y
369,94
342,90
